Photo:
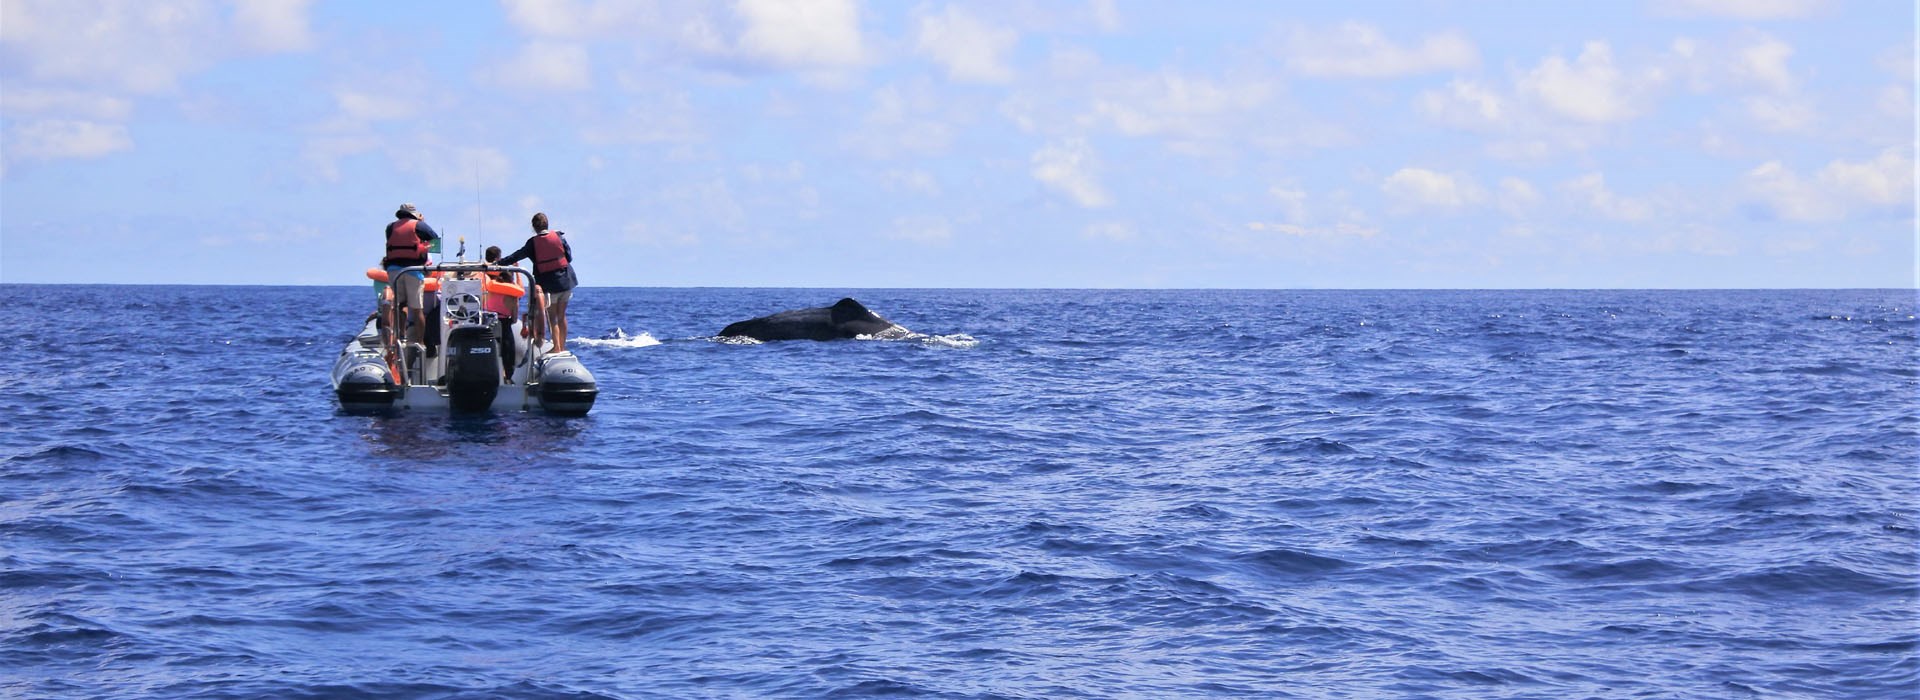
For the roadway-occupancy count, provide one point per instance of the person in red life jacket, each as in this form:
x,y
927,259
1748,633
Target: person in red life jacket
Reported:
x,y
408,238
507,309
553,270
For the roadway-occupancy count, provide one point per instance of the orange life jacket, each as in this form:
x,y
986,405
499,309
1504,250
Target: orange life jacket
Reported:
x,y
507,305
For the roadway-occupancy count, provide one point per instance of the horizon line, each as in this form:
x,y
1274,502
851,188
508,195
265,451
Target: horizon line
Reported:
x,y
1061,289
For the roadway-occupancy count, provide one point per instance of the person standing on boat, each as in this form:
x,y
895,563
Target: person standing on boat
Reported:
x,y
507,309
553,270
408,239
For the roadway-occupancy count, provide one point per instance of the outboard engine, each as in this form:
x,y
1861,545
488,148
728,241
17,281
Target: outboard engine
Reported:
x,y
566,387
473,368
472,355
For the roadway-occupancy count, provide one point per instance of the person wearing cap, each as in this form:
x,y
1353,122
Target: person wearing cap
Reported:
x,y
408,239
552,259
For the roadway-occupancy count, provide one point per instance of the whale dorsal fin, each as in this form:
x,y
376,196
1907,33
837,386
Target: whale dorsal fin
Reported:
x,y
848,310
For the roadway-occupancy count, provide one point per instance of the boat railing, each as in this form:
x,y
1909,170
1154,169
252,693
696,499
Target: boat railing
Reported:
x,y
395,336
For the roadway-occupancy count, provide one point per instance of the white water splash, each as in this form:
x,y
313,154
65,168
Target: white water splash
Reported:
x,y
960,341
619,339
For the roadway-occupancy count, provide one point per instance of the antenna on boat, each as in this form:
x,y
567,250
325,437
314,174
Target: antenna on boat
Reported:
x,y
478,234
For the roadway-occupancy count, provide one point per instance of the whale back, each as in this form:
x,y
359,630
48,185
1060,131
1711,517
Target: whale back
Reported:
x,y
845,319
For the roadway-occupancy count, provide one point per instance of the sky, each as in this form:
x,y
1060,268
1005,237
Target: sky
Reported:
x,y
988,143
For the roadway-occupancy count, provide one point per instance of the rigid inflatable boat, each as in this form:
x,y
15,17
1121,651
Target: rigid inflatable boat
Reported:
x,y
458,366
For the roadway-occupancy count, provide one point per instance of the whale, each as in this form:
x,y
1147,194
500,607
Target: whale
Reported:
x,y
845,319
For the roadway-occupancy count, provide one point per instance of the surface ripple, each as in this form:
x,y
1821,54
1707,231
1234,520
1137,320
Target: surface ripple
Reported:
x,y
1046,494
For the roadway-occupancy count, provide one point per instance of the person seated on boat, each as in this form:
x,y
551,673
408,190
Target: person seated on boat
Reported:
x,y
507,309
408,239
552,259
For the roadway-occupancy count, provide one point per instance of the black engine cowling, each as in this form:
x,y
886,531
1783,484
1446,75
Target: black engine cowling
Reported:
x,y
473,368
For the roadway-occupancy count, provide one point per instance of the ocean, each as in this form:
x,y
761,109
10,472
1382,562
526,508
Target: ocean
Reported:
x,y
1048,494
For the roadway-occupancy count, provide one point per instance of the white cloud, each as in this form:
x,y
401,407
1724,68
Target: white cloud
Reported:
x,y
668,118
1293,202
1739,9
1217,117
323,154
903,121
1356,50
710,202
1517,196
1752,69
1106,15
1464,103
60,138
141,47
1299,219
1898,62
273,25
69,103
1116,231
453,167
792,171
1887,179
571,19
926,230
561,18
1591,89
1765,62
820,39
1069,168
1173,104
1560,105
361,107
1067,63
653,236
1342,229
970,49
1779,114
1786,196
81,64
1837,190
802,33
1427,188
1748,59
546,66
1896,101
1191,115
919,181
1591,190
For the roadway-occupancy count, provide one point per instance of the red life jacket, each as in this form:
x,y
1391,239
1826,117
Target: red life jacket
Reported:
x,y
403,243
549,254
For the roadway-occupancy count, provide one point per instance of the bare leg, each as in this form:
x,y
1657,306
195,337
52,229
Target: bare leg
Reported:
x,y
560,326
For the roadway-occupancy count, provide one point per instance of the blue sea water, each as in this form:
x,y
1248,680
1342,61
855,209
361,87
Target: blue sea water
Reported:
x,y
1054,494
